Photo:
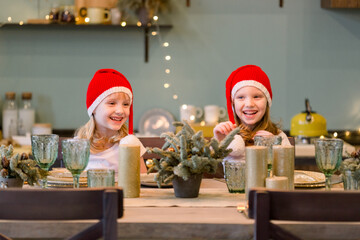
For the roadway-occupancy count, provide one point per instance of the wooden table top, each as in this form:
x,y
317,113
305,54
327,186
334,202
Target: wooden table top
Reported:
x,y
158,214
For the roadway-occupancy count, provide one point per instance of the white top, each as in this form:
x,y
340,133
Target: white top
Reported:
x,y
238,147
110,157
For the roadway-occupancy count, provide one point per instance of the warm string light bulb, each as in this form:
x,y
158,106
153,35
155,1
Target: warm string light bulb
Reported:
x,y
167,71
165,44
166,85
175,96
21,23
138,24
123,24
154,33
9,19
168,58
156,18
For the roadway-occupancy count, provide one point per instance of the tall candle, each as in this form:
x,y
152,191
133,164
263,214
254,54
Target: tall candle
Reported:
x,y
275,182
129,170
284,163
256,167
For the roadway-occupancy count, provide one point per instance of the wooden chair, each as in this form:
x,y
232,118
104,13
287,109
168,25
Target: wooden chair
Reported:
x,y
105,205
266,205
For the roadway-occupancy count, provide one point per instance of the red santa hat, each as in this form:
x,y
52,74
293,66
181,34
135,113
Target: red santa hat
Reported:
x,y
104,83
248,75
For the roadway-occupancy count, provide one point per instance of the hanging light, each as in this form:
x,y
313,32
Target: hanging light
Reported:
x,y
155,18
165,44
123,23
167,58
167,71
166,85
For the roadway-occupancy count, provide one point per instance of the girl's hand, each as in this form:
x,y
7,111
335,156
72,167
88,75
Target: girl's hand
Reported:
x,y
223,129
263,133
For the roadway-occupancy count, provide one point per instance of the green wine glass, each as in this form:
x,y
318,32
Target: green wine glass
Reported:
x,y
45,150
76,154
268,141
328,155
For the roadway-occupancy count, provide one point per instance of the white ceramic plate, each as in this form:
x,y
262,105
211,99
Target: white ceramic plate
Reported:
x,y
62,178
155,122
310,179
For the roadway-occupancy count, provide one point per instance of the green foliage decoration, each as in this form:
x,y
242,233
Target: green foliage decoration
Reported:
x,y
16,165
187,153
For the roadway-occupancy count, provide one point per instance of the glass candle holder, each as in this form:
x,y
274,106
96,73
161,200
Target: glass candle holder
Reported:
x,y
235,176
101,178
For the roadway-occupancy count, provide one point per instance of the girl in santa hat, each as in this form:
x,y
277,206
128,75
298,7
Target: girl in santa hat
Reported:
x,y
109,101
249,98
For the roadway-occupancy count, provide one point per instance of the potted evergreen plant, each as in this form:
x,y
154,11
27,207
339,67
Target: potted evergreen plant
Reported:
x,y
16,168
186,156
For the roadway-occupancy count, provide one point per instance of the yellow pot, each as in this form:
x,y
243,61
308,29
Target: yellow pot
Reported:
x,y
313,127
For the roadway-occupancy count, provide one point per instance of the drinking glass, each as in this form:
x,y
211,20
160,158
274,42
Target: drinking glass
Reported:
x,y
328,155
76,154
100,177
269,142
235,176
44,150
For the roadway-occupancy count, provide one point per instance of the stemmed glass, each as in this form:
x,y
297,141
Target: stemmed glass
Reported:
x,y
328,155
76,156
268,141
44,150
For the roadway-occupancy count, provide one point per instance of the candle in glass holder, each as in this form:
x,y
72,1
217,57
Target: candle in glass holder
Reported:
x,y
284,163
256,167
129,170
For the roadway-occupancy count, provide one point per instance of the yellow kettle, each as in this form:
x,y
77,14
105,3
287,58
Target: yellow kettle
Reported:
x,y
308,123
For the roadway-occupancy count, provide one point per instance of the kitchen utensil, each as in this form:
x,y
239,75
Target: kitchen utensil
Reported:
x,y
308,123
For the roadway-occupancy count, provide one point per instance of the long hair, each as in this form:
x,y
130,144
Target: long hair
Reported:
x,y
88,131
264,124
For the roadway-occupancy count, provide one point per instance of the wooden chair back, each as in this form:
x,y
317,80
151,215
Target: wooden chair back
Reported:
x,y
267,205
103,204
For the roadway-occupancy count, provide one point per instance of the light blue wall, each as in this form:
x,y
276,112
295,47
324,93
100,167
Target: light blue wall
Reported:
x,y
306,51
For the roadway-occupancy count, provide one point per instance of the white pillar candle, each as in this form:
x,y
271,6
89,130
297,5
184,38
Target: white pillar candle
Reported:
x,y
284,163
275,182
256,167
129,170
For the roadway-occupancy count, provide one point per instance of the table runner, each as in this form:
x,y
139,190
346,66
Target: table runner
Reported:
x,y
212,194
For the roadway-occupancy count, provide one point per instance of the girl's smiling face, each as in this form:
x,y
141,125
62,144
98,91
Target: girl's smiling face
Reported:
x,y
112,113
249,105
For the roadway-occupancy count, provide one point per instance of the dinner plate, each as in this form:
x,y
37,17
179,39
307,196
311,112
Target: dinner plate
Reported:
x,y
62,178
310,179
147,180
156,121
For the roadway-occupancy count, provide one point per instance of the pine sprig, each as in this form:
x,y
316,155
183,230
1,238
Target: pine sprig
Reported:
x,y
188,153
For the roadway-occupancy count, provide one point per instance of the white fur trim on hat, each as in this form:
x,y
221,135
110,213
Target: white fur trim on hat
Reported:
x,y
107,93
252,83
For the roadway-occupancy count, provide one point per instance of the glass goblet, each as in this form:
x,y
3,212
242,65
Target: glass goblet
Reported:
x,y
328,155
76,154
268,141
45,150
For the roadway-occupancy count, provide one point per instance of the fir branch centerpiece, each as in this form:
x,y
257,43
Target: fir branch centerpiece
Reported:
x,y
188,153
16,165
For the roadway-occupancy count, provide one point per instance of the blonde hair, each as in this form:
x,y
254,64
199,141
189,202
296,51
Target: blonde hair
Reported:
x,y
88,131
264,124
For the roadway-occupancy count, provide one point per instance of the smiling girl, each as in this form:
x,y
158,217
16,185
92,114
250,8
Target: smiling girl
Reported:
x,y
109,102
249,98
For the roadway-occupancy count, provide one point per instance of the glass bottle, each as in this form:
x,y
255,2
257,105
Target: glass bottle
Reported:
x,y
10,115
26,114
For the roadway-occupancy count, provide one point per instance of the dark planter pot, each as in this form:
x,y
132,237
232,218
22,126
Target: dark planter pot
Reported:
x,y
189,188
11,182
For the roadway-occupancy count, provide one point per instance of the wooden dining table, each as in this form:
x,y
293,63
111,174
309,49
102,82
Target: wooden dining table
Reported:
x,y
158,214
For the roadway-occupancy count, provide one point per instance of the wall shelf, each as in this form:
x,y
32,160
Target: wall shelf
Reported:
x,y
332,4
145,29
